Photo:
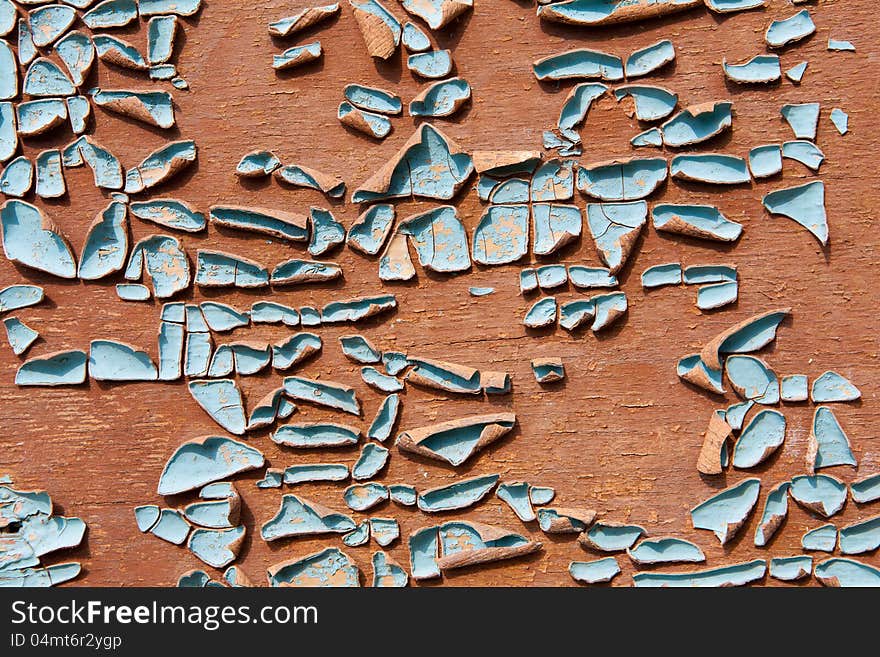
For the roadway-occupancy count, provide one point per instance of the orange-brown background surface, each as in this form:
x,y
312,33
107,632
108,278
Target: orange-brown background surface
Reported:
x,y
621,434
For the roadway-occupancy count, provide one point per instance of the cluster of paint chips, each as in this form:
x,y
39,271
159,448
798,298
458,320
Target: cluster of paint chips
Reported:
x,y
52,96
718,283
30,530
210,527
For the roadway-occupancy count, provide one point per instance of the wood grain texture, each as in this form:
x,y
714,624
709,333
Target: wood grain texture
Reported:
x,y
620,435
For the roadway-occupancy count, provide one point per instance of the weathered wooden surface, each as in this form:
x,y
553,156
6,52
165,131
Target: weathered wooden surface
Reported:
x,y
620,435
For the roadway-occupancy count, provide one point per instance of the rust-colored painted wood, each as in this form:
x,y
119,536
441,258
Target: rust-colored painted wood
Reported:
x,y
621,435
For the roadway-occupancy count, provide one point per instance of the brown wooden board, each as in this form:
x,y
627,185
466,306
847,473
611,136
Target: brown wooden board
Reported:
x,y
620,435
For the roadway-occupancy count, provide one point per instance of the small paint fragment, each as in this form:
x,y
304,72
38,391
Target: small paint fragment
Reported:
x,y
561,520
373,99
573,314
204,460
257,164
650,137
866,490
272,478
384,530
579,64
312,472
19,335
820,539
428,166
298,516
370,462
433,64
839,45
403,494
276,223
651,103
840,119
297,56
117,361
362,497
548,370
738,574
702,221
464,544
358,349
796,72
161,165
711,460
380,29
34,117
312,435
20,296
803,119
360,535
221,399
303,20
828,444
119,52
610,536
790,569
794,388
594,572
516,495
31,239
753,379
106,168
161,31
154,108
17,178
414,39
441,99
132,292
462,494
661,275
821,494
106,245
805,204
623,180
171,527
541,314
328,568
387,573
653,57
860,537
712,168
697,123
502,235
357,309
760,69
847,573
50,175
665,550
765,161
368,123
322,393
774,514
833,387
805,152
591,277
781,33
385,419
146,516
371,229
455,441
726,512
